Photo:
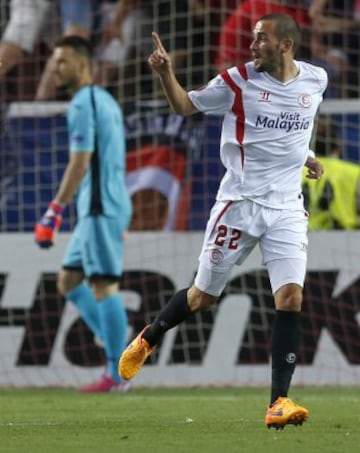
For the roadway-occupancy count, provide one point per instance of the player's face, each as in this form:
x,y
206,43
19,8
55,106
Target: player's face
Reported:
x,y
66,68
266,48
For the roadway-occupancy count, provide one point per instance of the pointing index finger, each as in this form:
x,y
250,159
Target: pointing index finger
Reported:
x,y
157,41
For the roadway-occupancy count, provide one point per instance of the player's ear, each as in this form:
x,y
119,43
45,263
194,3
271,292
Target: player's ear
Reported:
x,y
286,45
83,63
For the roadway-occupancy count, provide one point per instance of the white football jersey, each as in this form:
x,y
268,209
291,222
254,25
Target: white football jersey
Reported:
x,y
266,131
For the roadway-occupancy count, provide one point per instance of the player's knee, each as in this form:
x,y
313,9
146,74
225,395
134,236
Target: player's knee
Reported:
x,y
198,300
61,284
68,280
101,291
289,298
103,287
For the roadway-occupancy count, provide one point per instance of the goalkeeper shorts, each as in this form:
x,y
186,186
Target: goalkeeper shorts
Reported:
x,y
97,247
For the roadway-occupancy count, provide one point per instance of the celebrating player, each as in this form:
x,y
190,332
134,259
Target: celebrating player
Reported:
x,y
269,106
96,173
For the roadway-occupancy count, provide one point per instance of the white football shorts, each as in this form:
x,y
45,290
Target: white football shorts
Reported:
x,y
236,227
28,19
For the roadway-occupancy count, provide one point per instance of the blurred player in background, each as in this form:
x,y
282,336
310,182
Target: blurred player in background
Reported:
x,y
269,106
333,202
96,174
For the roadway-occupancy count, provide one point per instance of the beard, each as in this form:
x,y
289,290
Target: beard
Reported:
x,y
269,64
66,85
270,60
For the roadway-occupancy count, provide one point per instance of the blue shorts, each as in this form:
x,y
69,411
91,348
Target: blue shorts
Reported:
x,y
97,247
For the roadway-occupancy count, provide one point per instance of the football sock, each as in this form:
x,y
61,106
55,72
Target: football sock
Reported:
x,y
82,297
114,325
285,343
174,312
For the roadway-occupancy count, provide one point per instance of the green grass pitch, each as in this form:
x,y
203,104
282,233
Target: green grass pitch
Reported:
x,y
214,420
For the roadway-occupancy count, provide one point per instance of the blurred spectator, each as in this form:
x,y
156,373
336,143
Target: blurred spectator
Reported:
x,y
28,24
235,36
339,24
214,13
333,201
118,24
333,60
110,24
77,17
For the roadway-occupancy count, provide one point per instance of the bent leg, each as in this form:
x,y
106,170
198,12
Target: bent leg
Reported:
x,y
180,306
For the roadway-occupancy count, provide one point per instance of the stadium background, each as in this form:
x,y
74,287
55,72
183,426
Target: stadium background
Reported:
x,y
43,342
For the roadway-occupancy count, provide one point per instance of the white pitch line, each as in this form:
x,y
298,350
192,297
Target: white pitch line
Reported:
x,y
23,424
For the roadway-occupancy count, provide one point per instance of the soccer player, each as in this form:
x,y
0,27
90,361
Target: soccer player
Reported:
x,y
96,174
269,106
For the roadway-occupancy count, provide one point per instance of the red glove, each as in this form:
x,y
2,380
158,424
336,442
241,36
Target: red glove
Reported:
x,y
48,225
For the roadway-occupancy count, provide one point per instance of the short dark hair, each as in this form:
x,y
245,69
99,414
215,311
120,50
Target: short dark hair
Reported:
x,y
80,45
286,27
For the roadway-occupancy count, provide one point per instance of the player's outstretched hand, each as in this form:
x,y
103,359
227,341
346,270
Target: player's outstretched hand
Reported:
x,y
48,225
159,60
315,168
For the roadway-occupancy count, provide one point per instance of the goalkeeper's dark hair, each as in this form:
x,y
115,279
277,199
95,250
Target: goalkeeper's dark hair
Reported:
x,y
80,45
286,28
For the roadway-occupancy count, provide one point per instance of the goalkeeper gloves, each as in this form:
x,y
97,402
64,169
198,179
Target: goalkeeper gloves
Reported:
x,y
48,225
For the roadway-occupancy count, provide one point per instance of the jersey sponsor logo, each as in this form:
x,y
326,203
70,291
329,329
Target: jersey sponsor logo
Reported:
x,y
286,120
305,100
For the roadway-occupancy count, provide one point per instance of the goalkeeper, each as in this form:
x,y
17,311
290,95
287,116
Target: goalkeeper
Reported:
x,y
269,106
96,174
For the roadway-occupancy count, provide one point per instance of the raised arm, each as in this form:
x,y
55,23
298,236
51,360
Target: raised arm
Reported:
x,y
160,62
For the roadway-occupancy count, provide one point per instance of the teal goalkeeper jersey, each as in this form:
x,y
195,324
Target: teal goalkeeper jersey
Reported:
x,y
95,125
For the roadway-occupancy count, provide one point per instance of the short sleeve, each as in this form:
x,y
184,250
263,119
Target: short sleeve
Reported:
x,y
214,98
81,124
